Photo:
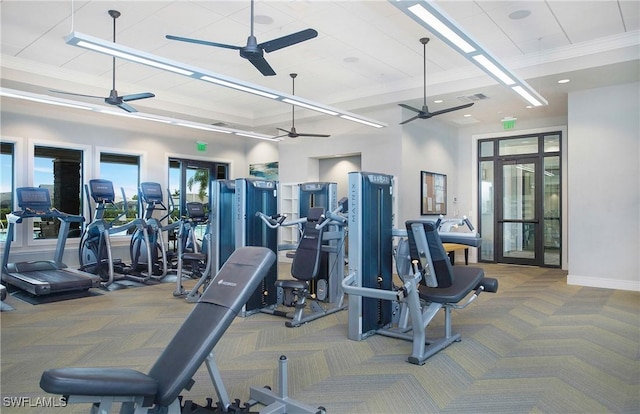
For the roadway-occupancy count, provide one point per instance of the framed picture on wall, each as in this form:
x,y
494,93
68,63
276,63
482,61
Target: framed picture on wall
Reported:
x,y
433,193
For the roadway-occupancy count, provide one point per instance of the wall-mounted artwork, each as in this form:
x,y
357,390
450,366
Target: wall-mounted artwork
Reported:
x,y
433,193
266,171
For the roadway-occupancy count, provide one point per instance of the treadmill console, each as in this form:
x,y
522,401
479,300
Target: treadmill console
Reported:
x,y
34,199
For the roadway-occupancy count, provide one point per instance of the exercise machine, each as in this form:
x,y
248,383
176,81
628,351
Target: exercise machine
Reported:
x,y
253,196
159,390
43,277
318,260
193,254
95,245
221,234
151,200
429,282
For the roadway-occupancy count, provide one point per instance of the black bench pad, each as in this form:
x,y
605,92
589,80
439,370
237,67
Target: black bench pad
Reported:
x,y
98,382
291,284
465,279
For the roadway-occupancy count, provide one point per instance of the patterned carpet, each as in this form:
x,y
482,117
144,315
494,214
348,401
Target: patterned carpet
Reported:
x,y
538,345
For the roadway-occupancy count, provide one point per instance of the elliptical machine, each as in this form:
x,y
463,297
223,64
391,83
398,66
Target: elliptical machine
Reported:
x,y
95,245
194,257
151,200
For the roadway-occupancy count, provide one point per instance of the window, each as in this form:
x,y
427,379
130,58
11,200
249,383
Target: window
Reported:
x,y
6,186
124,171
58,170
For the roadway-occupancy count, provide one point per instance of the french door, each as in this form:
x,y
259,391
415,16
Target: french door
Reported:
x,y
518,214
520,199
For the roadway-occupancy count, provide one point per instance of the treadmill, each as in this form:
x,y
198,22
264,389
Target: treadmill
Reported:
x,y
43,277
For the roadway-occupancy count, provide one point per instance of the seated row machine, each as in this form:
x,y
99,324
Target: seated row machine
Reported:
x,y
159,390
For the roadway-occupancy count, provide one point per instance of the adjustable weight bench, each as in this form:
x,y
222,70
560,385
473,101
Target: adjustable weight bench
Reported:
x,y
158,391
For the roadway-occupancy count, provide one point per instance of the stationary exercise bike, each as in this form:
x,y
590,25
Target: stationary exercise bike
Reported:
x,y
95,245
151,200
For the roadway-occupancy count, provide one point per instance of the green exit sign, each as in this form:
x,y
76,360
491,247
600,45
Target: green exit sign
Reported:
x,y
201,146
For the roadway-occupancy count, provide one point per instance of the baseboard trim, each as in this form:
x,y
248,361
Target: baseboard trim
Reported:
x,y
598,282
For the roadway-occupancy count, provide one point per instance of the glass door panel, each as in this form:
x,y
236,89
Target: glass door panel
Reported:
x,y
518,216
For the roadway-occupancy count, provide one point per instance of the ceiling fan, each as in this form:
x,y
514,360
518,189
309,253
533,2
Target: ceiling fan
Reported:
x,y
293,133
114,98
253,51
424,112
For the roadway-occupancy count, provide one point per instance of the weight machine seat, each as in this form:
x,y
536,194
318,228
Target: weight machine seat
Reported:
x,y
466,279
306,261
173,371
454,283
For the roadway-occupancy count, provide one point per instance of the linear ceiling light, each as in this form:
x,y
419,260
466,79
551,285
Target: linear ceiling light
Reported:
x,y
133,55
50,100
437,22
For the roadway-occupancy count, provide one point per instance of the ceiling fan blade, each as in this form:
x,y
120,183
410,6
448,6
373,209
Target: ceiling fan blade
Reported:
x,y
127,107
136,96
301,134
284,130
444,111
261,64
202,42
76,94
409,120
288,40
410,108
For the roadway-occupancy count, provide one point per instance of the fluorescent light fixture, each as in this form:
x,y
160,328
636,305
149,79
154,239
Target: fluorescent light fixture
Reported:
x,y
50,100
526,95
362,121
133,55
437,24
493,69
428,15
93,45
201,126
256,135
309,106
238,87
45,99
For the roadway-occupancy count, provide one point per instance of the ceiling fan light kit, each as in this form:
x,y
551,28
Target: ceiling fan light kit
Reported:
x,y
437,22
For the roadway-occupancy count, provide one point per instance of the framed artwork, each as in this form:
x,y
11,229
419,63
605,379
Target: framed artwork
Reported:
x,y
266,171
433,193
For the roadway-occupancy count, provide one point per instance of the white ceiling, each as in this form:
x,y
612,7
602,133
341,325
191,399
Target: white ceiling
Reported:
x,y
367,55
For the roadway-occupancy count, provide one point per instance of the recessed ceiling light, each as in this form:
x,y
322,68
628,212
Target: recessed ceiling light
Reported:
x,y
467,115
519,14
529,106
438,101
564,81
351,59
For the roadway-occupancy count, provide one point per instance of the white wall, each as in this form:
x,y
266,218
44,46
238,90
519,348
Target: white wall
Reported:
x,y
604,187
336,170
